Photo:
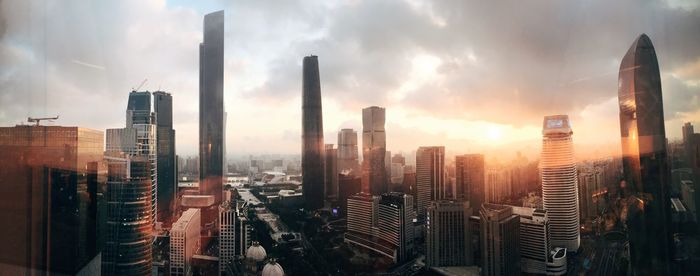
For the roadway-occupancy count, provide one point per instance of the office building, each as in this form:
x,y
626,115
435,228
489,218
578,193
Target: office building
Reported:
x,y
347,151
470,179
448,234
645,168
211,108
331,183
227,235
399,159
500,230
129,237
312,147
348,185
534,239
395,224
430,177
373,150
362,213
52,188
560,182
166,156
184,241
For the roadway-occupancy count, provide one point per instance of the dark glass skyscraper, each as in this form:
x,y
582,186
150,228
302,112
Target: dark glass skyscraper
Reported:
x,y
312,147
167,169
646,172
211,107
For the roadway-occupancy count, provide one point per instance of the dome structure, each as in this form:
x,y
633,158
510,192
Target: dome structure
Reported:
x,y
256,252
272,268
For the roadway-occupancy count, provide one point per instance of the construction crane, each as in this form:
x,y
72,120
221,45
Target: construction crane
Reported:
x,y
140,85
37,120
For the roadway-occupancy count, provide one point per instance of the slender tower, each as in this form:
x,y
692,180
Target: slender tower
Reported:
x,y
644,162
559,182
312,146
374,150
211,107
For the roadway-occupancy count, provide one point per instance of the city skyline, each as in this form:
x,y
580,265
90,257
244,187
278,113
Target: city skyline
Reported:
x,y
259,86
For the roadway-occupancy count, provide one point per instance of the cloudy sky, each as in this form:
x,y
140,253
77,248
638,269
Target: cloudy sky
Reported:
x,y
474,76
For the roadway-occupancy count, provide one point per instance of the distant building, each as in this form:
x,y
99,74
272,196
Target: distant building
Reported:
x,y
399,159
559,182
312,163
500,230
166,156
52,193
331,175
470,179
374,150
184,241
448,234
430,177
347,151
128,239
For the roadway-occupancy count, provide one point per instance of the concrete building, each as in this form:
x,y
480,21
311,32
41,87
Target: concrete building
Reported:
x,y
644,160
559,182
51,203
448,234
374,179
430,177
312,146
500,235
184,242
227,235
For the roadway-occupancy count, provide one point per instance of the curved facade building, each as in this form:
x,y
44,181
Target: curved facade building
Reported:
x,y
312,147
644,162
127,248
559,182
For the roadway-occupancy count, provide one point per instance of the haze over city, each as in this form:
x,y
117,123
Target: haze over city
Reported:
x,y
477,78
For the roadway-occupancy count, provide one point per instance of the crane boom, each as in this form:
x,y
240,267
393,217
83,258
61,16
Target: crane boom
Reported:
x,y
37,120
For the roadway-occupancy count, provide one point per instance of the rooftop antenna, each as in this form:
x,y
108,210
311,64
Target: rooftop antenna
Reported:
x,y
38,120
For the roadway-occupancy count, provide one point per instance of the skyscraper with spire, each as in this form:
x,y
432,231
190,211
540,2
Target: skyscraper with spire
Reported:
x,y
312,146
211,107
644,162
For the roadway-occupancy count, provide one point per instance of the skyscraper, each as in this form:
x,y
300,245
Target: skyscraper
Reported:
x,y
331,183
430,177
52,188
373,150
127,249
395,223
227,235
211,107
560,181
470,179
534,239
312,147
347,151
448,234
645,168
167,163
500,230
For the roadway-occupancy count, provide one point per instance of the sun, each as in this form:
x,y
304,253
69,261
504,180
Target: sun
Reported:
x,y
494,133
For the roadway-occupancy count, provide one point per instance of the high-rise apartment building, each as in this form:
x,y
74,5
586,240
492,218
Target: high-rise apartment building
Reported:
x,y
448,234
166,157
211,108
560,182
128,235
470,179
395,217
374,150
331,183
500,235
645,166
49,203
184,241
312,147
430,177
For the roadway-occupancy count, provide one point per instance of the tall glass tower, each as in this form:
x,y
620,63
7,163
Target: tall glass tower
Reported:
x,y
644,162
559,182
211,107
312,146
374,150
